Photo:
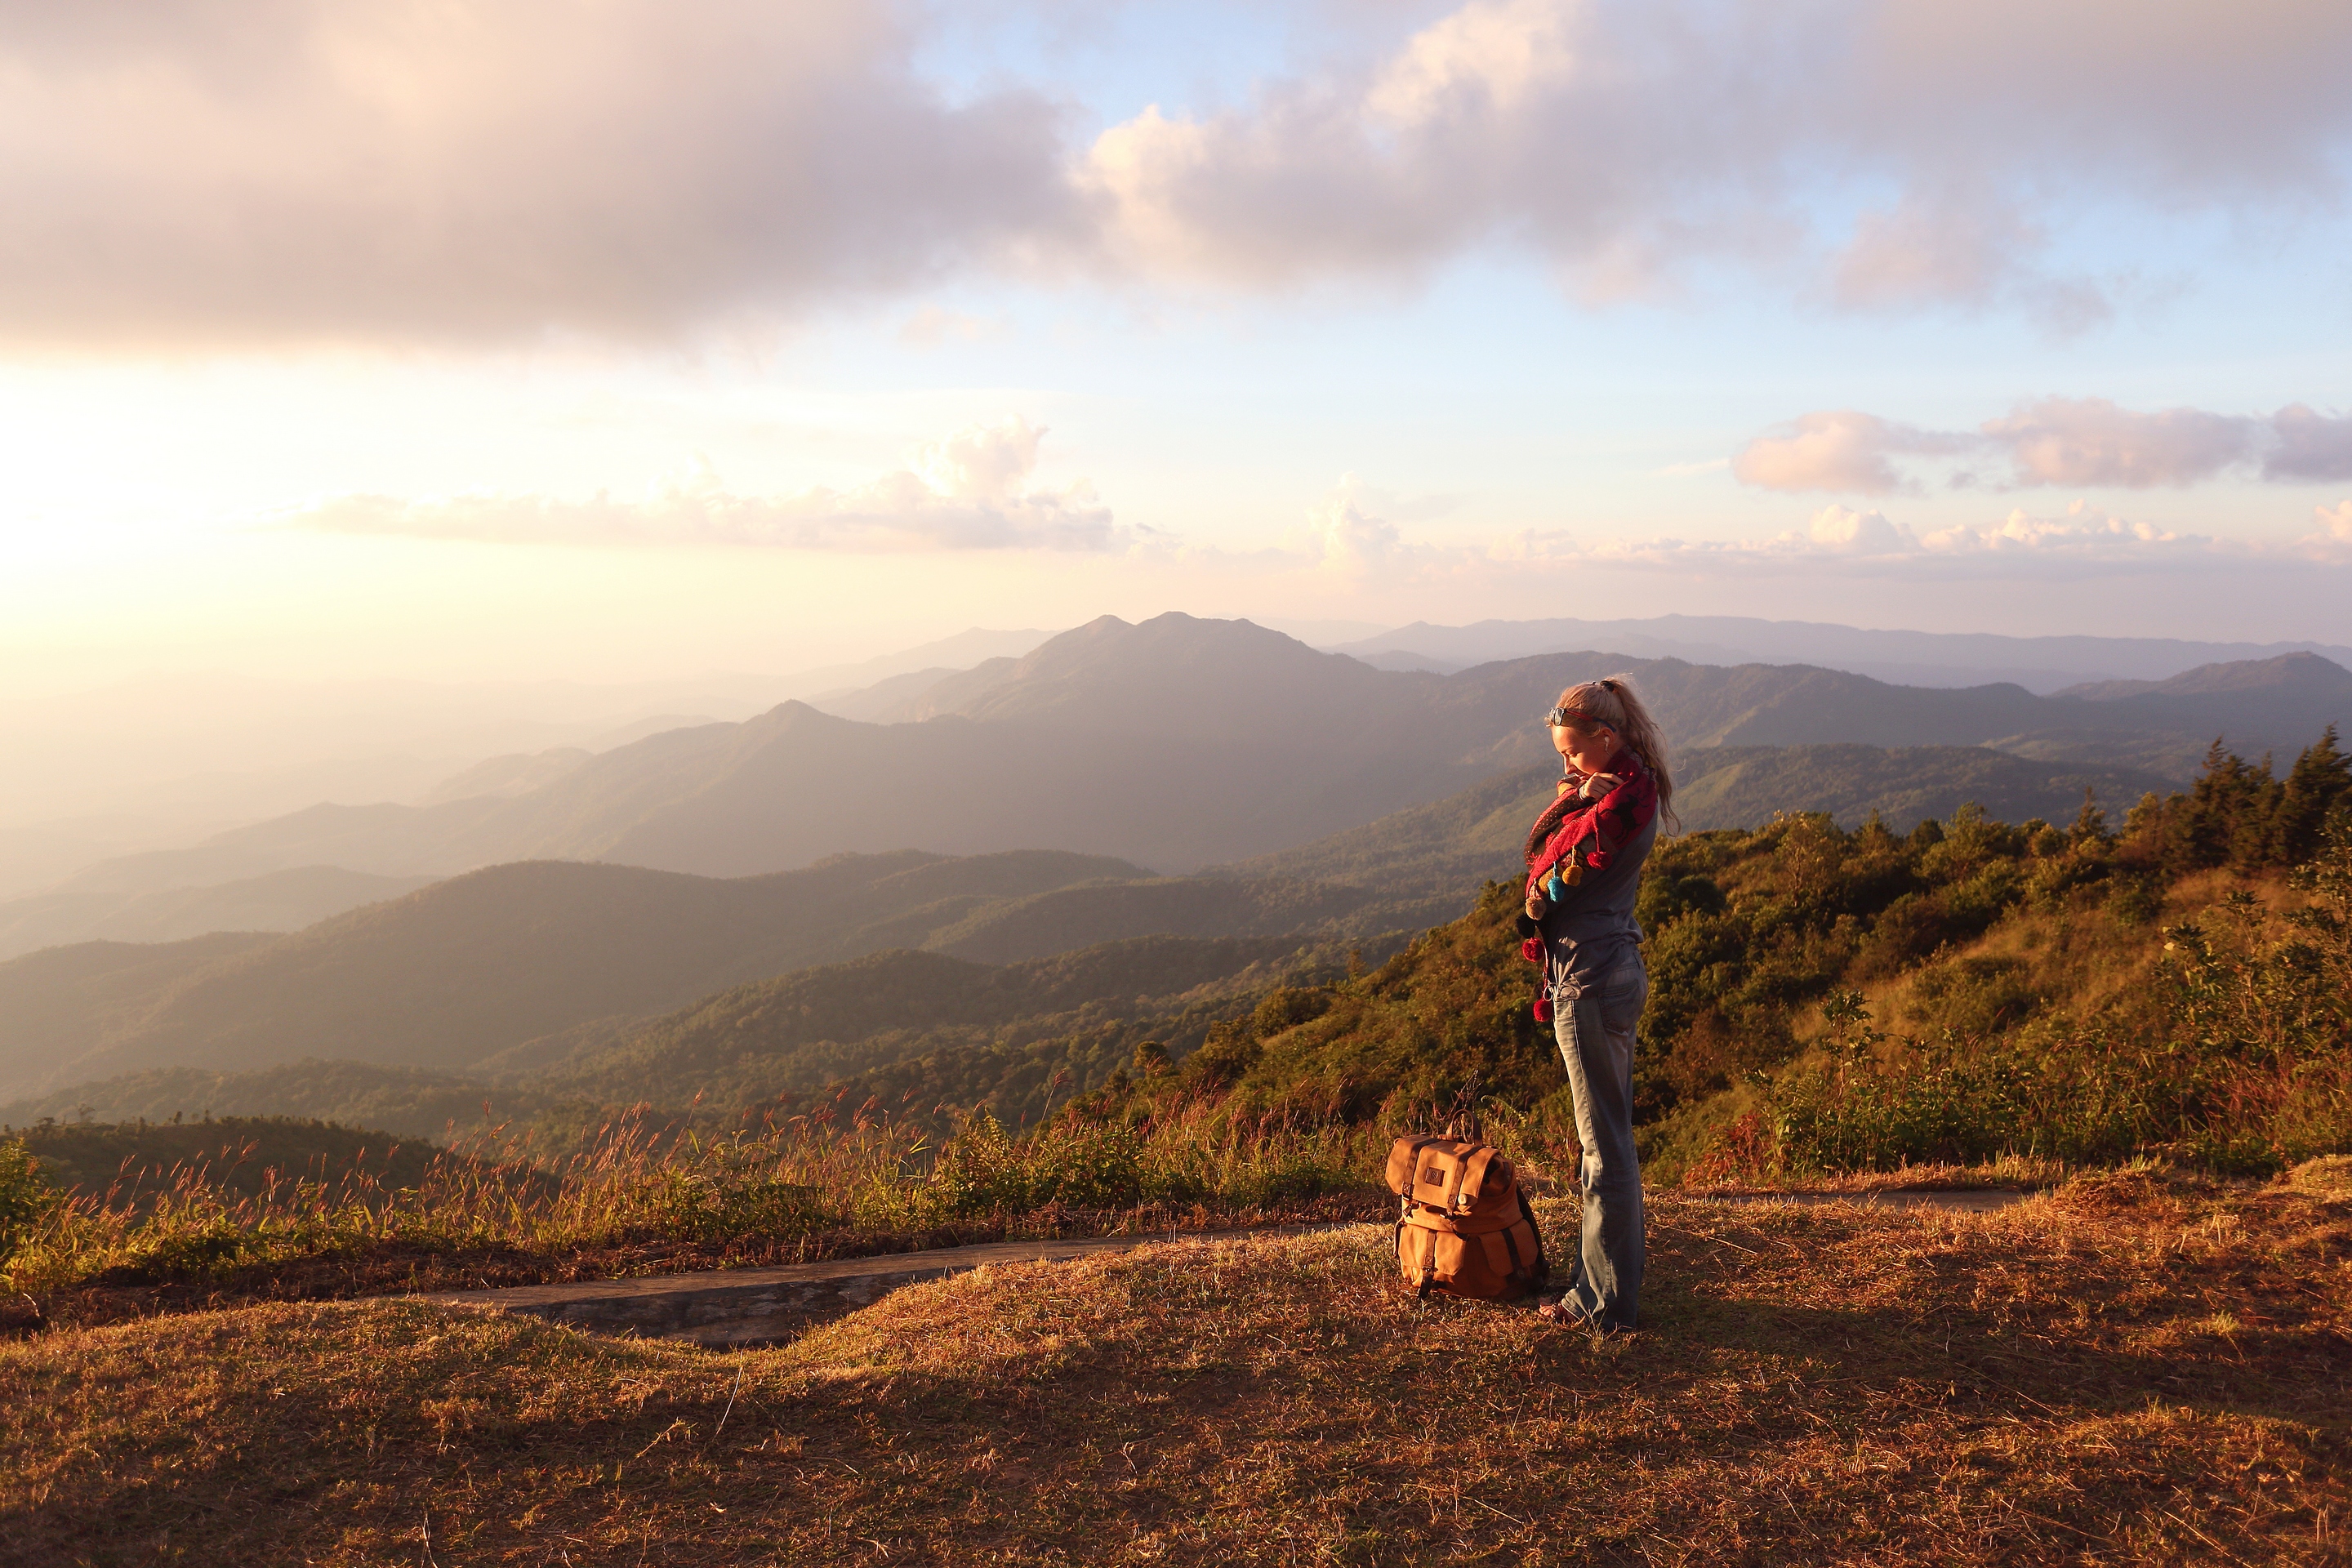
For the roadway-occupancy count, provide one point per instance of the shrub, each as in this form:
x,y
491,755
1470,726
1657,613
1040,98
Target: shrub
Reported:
x,y
1085,1164
25,1195
2242,1061
1230,1051
1286,1009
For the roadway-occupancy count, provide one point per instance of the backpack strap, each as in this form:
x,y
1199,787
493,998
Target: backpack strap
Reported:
x,y
1511,1240
1534,1266
1428,1270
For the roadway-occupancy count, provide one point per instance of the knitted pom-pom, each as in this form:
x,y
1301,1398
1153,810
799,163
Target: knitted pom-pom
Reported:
x,y
1597,859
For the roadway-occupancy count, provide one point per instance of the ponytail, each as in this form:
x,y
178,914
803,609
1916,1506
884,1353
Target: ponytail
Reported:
x,y
1612,701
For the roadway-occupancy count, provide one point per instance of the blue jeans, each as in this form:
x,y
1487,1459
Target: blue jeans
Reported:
x,y
1596,1045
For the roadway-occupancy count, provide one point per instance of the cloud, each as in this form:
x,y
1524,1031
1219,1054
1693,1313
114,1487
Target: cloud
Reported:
x,y
1931,249
1340,544
1627,143
2079,537
1841,531
971,491
2075,442
2335,524
466,169
1839,449
2079,544
1342,538
2311,446
2090,441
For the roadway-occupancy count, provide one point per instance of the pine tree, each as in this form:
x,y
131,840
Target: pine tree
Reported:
x,y
2320,781
2145,835
2090,823
2225,818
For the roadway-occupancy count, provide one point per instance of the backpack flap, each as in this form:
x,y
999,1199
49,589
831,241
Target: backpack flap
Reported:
x,y
1404,1163
1483,1171
1438,1182
1450,1174
1427,1170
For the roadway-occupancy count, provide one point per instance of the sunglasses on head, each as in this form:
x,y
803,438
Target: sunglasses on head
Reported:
x,y
1563,718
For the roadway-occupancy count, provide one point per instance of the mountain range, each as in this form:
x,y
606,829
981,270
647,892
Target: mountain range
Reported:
x,y
1180,742
162,762
88,908
2042,664
1175,745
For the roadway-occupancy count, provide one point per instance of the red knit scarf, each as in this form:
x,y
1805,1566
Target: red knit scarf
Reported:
x,y
1560,834
1564,826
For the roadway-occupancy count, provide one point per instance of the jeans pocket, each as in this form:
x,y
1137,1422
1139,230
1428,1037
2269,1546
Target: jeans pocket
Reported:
x,y
1620,997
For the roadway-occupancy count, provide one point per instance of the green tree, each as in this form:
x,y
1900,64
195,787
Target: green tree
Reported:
x,y
2320,783
2090,823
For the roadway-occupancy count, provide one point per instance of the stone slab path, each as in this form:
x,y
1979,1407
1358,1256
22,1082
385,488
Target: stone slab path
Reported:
x,y
732,1309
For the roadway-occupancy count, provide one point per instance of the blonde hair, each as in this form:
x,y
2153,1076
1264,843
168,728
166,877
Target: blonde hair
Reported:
x,y
1612,701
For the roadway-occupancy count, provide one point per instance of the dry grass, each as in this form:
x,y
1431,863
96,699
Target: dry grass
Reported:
x,y
2016,1172
642,1198
2136,1367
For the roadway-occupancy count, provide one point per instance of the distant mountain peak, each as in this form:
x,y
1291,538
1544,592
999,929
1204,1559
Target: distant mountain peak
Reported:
x,y
789,715
2300,671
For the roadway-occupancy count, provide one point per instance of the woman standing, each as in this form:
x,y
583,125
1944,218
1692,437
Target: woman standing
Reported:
x,y
1585,866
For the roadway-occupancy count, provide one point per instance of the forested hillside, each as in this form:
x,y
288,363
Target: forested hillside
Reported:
x,y
1433,858
459,972
978,1027
404,1103
1828,998
801,1032
521,967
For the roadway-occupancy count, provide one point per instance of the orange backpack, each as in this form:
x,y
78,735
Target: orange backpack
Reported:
x,y
1461,1231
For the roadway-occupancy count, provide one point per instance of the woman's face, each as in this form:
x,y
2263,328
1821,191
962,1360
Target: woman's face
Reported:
x,y
1585,748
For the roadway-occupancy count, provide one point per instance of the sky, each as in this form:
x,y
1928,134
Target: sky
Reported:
x,y
614,340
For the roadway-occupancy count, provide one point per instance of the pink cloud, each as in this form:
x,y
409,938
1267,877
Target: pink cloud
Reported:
x,y
2091,441
1838,449
2079,442
2311,444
